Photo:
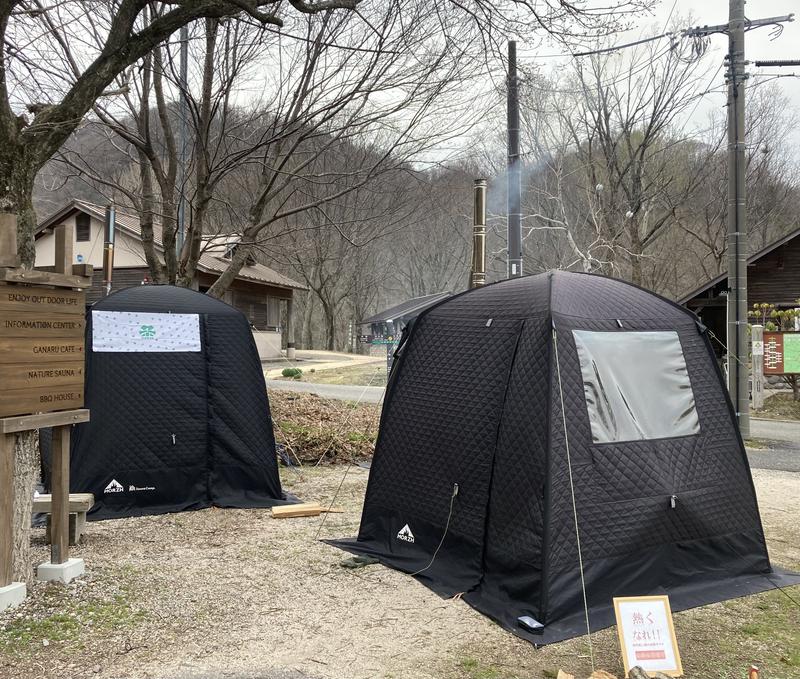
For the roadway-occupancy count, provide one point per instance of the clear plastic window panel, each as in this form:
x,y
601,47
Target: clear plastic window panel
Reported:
x,y
636,385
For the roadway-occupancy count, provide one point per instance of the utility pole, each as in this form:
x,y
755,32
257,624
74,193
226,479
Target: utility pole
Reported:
x,y
738,378
478,273
514,180
737,248
183,83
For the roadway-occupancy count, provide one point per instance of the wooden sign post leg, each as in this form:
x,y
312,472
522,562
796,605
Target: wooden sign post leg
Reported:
x,y
59,529
61,567
11,593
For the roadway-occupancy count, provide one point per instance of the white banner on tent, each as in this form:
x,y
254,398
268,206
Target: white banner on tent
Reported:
x,y
131,331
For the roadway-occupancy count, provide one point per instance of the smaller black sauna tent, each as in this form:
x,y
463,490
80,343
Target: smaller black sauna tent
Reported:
x,y
558,434
179,412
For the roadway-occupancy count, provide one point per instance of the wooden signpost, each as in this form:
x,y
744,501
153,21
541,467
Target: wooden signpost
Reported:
x,y
42,372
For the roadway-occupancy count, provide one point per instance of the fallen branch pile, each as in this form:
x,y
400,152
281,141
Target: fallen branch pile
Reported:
x,y
317,430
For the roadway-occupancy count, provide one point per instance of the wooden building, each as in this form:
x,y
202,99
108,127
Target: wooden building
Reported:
x,y
773,277
262,294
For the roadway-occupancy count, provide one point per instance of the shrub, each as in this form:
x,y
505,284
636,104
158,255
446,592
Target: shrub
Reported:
x,y
294,373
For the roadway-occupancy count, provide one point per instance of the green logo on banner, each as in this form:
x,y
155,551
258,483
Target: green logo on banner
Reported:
x,y
147,332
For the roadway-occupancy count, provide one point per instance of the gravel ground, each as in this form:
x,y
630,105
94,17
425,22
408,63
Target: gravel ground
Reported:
x,y
236,594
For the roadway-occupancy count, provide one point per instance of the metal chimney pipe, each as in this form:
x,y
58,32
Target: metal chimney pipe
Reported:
x,y
108,247
478,277
514,179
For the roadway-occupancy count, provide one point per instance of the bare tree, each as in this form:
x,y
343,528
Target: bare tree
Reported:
x,y
771,179
41,72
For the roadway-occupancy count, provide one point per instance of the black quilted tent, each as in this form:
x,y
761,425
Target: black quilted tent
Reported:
x,y
507,402
179,412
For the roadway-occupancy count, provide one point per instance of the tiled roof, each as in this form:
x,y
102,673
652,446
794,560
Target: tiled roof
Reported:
x,y
209,262
406,310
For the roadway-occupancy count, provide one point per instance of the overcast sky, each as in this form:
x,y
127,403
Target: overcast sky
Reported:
x,y
758,43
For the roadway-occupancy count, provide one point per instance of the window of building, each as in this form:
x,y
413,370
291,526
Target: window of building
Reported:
x,y
83,227
273,312
636,385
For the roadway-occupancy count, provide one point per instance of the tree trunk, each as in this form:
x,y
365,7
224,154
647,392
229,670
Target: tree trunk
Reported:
x,y
329,310
17,172
26,473
238,259
308,314
637,277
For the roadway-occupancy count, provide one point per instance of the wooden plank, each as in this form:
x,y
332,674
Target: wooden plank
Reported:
x,y
34,376
6,507
44,303
40,351
8,240
292,511
59,475
66,397
65,238
10,425
36,277
85,270
19,324
78,502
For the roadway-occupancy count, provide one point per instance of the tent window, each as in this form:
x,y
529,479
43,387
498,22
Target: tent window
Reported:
x,y
636,385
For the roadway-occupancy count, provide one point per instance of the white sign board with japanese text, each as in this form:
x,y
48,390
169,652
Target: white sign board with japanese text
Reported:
x,y
647,635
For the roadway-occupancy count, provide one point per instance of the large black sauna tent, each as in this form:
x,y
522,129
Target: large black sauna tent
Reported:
x,y
518,410
179,412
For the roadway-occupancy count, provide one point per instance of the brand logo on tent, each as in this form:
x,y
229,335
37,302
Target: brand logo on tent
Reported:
x,y
133,489
114,487
405,534
147,331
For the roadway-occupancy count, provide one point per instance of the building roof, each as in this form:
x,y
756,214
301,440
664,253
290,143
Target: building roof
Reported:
x,y
752,259
406,310
211,261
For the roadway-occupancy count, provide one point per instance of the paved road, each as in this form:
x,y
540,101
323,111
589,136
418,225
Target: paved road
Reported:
x,y
783,445
775,430
340,392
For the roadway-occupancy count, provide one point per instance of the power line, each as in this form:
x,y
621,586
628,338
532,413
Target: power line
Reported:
x,y
787,62
624,45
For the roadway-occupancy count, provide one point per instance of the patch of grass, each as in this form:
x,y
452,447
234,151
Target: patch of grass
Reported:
x,y
475,669
781,406
756,444
59,618
292,427
372,374
760,630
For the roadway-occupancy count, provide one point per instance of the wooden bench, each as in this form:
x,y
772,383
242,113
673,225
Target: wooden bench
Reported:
x,y
79,504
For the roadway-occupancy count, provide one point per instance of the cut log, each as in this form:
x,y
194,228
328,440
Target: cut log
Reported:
x,y
564,675
601,674
637,673
293,511
304,509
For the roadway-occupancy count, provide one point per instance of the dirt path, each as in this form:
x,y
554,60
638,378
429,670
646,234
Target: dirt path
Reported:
x,y
234,593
